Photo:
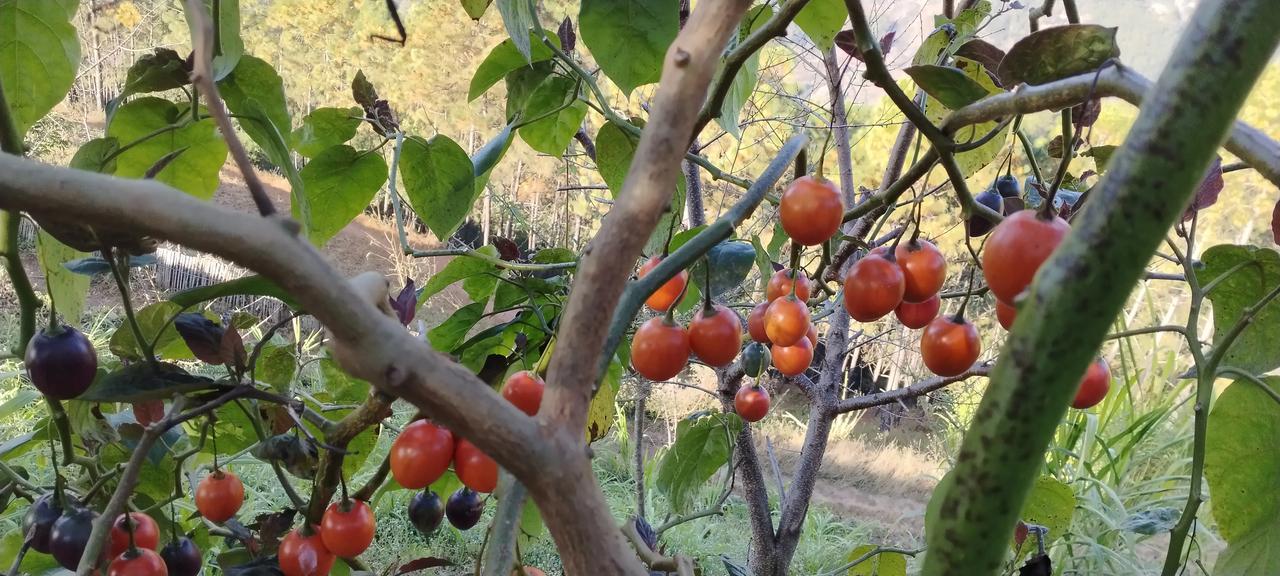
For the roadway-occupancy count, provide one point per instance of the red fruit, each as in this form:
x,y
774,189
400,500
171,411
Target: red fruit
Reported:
x,y
304,555
755,323
137,562
873,287
659,350
530,571
924,269
950,345
146,533
1005,313
786,321
475,469
780,285
751,403
918,315
219,496
668,293
421,454
1094,386
793,360
347,528
524,390
716,337
812,335
1016,249
148,413
811,210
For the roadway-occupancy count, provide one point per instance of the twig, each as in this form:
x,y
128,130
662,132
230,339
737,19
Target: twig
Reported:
x,y
878,550
500,552
329,470
918,389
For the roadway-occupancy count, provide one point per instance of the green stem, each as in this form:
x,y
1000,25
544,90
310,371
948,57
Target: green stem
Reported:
x,y
395,195
1068,150
28,303
1030,153
63,425
122,283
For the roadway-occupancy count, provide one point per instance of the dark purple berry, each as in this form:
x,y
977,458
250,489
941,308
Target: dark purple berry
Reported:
x,y
62,363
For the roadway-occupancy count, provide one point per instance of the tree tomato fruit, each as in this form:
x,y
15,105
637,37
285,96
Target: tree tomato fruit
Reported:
x,y
915,315
524,390
755,359
137,562
148,412
529,571
1017,248
812,335
182,557
873,287
475,469
793,360
668,293
146,533
1094,386
949,345
716,337
304,555
781,282
659,350
464,508
786,321
1006,314
347,528
924,269
1008,187
70,535
811,210
421,454
40,517
426,512
219,496
755,323
751,403
976,225
61,364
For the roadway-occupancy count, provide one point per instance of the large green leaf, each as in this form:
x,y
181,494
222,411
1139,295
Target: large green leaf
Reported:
x,y
517,18
66,288
703,445
450,333
229,47
614,150
140,382
255,93
972,160
629,38
340,182
883,564
460,268
161,70
730,260
439,181
96,155
946,84
821,20
551,134
39,54
276,366
521,83
194,171
1243,275
503,59
1241,465
1050,504
325,127
1058,52
744,82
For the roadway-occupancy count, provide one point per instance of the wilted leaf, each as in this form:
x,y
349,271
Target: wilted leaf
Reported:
x,y
161,70
1101,155
1207,192
1059,52
422,564
603,409
1084,115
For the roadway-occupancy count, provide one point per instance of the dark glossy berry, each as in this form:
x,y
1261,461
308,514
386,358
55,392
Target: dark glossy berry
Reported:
x,y
426,512
464,508
755,359
977,225
69,536
182,557
41,516
1008,186
61,364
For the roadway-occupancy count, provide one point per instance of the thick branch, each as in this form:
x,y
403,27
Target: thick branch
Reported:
x,y
918,389
376,408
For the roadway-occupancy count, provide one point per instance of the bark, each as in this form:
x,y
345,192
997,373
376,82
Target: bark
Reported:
x,y
693,207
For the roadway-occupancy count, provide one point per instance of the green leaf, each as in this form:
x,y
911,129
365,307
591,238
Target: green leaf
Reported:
x,y
551,135
509,294
968,21
502,60
882,564
340,387
450,333
34,563
821,20
1241,464
763,263
973,160
19,401
195,171
39,55
1050,504
1243,275
703,445
276,366
614,150
323,128
744,83
554,256
151,319
255,92
521,83
229,46
249,285
66,288
480,287
161,70
517,18
140,381
948,85
603,409
234,428
932,48
92,156
731,261
475,8
629,38
1101,155
460,268
340,182
439,181
1058,52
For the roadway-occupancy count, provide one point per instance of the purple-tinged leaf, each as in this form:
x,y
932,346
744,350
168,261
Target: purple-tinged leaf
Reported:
x,y
406,303
886,42
984,53
202,336
568,38
507,249
231,349
847,41
421,564
1275,223
1207,193
1084,115
646,533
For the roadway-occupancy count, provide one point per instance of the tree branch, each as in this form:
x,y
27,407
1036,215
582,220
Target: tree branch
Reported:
x,y
375,409
918,389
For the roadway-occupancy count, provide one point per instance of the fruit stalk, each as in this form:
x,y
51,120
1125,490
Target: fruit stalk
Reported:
x,y
10,222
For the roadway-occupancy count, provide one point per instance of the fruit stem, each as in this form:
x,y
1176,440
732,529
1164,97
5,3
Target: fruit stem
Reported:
x,y
55,328
346,500
128,527
802,163
122,283
1068,150
968,293
707,308
796,248
544,361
